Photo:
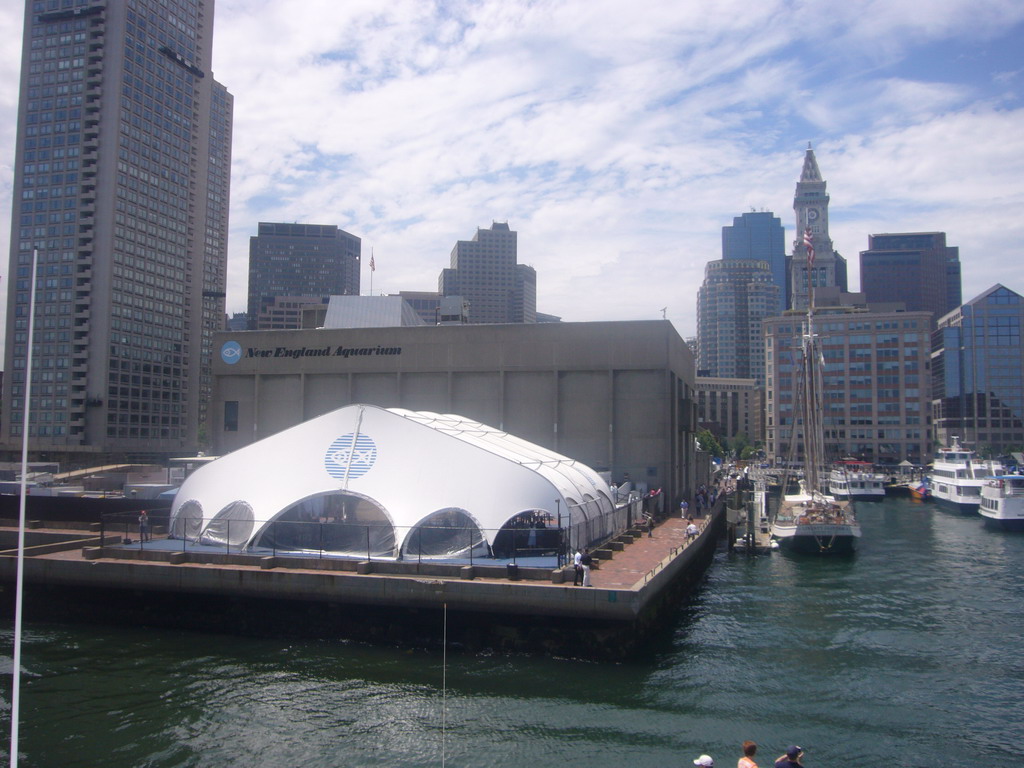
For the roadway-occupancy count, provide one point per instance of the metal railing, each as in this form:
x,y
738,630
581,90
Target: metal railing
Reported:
x,y
536,546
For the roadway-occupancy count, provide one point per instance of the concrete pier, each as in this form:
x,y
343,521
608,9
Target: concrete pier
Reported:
x,y
637,583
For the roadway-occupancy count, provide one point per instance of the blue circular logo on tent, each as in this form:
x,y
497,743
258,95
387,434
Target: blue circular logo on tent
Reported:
x,y
350,456
231,352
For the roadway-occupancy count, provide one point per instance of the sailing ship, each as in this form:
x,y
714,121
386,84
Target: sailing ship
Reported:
x,y
812,521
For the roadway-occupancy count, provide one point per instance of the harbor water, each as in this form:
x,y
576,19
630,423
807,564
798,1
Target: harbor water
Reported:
x,y
908,654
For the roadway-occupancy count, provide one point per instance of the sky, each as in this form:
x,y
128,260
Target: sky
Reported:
x,y
616,138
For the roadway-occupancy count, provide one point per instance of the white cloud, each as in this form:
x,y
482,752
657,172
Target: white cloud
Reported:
x,y
616,139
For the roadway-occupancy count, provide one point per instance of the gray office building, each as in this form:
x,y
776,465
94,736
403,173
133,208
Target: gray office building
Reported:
x,y
733,301
484,271
916,268
875,384
314,261
121,185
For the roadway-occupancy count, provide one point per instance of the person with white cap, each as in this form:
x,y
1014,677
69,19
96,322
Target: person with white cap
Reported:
x,y
704,761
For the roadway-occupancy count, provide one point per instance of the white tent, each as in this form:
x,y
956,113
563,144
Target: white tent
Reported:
x,y
389,482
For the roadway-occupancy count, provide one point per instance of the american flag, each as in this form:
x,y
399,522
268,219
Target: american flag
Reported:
x,y
372,265
809,246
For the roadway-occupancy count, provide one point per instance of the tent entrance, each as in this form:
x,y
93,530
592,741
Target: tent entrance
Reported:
x,y
336,523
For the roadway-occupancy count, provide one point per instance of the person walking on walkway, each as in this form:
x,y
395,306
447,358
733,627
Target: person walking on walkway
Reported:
x,y
684,507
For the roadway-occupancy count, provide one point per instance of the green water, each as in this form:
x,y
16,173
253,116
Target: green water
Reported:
x,y
907,655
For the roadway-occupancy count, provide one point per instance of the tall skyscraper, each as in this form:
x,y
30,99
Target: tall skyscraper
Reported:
x,y
300,260
978,372
759,235
121,180
734,299
484,271
916,268
825,267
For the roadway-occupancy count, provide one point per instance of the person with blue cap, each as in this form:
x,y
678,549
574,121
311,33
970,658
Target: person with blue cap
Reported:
x,y
791,759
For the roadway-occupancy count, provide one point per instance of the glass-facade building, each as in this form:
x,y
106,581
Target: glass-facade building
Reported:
x,y
978,373
758,235
295,261
121,185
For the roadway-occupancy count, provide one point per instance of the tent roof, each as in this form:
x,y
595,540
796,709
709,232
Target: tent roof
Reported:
x,y
409,464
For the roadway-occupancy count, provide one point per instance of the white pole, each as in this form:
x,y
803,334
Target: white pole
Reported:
x,y
16,671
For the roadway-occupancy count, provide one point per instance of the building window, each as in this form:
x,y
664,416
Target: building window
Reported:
x,y
231,416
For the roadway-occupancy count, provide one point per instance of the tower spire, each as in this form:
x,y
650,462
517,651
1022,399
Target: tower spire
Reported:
x,y
810,171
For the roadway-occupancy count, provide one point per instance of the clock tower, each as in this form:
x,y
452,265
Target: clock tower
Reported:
x,y
826,268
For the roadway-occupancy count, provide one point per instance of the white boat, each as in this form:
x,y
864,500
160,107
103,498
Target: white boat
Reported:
x,y
1002,502
856,480
957,477
812,521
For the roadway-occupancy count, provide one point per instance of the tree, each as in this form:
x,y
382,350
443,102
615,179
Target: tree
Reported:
x,y
708,442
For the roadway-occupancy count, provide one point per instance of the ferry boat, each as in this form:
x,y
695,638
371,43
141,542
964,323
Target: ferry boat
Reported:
x,y
957,477
812,521
856,480
1002,502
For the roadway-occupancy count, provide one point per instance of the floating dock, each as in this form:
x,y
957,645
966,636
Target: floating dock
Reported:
x,y
638,582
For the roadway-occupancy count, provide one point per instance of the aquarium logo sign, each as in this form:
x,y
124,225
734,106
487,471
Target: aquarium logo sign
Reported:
x,y
231,352
350,456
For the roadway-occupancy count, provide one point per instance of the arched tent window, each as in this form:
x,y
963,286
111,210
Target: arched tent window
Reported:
x,y
188,521
336,523
231,527
531,533
446,534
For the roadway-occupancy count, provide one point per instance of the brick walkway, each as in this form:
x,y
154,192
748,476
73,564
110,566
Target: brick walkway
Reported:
x,y
628,567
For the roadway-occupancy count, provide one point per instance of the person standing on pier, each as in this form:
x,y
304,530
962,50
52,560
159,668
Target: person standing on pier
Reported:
x,y
585,562
749,750
143,526
577,567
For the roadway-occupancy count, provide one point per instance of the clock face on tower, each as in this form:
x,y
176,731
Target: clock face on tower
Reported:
x,y
812,214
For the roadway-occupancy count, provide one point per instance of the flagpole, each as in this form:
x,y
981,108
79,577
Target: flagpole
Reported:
x,y
16,670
